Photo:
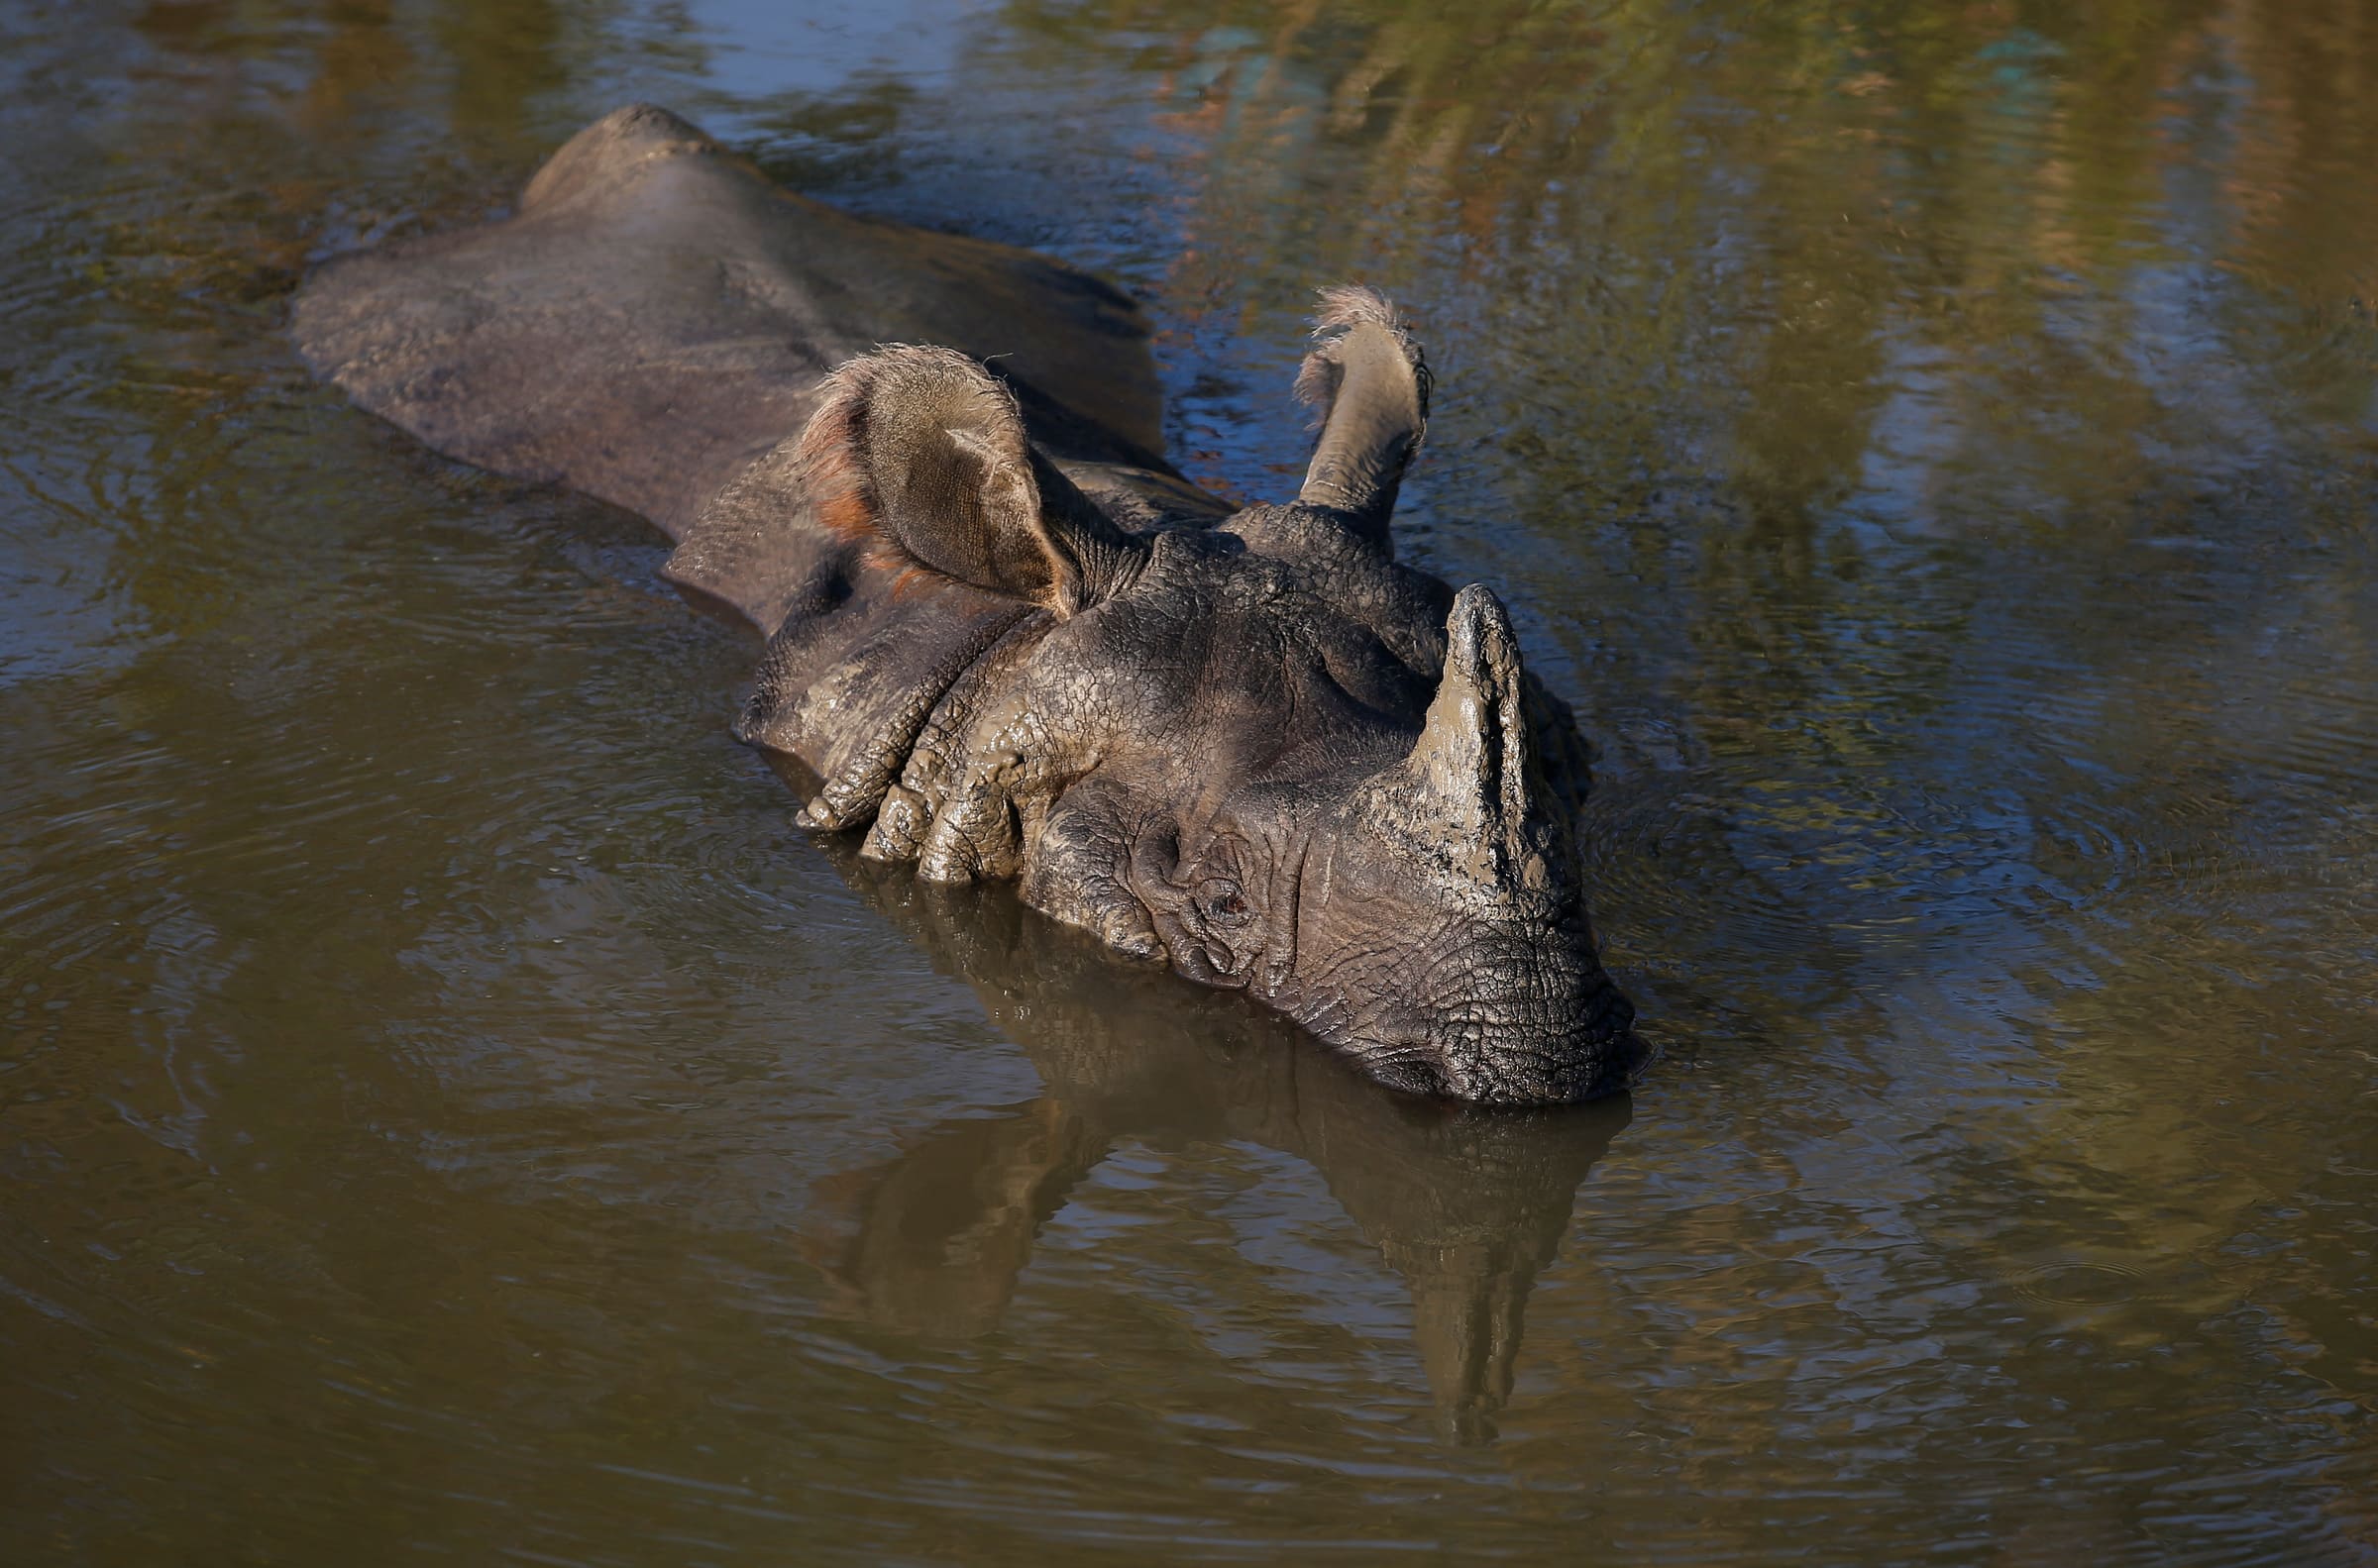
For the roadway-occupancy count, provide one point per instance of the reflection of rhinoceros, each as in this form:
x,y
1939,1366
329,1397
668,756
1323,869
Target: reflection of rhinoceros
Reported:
x,y
1466,1206
1008,638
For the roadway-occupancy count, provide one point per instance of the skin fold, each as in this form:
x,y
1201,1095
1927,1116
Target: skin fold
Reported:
x,y
1007,637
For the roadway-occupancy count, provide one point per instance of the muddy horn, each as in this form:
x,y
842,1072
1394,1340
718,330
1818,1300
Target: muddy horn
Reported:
x,y
1472,788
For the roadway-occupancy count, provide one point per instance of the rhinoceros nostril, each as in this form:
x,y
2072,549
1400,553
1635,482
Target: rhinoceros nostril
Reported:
x,y
1414,1075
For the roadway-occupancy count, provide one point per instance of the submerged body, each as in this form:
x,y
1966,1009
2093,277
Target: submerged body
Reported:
x,y
1007,637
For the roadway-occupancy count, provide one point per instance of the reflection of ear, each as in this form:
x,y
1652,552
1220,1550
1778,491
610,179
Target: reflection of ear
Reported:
x,y
921,452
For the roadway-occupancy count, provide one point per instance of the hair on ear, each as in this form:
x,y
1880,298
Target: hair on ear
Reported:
x,y
1343,308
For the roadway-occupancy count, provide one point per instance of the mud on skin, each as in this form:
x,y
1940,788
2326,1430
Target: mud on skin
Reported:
x,y
1011,639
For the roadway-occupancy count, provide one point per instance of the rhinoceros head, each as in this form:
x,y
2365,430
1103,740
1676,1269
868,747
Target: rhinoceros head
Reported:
x,y
1263,751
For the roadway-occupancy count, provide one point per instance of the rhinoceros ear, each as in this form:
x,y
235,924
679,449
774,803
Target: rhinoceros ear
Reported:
x,y
1369,380
920,452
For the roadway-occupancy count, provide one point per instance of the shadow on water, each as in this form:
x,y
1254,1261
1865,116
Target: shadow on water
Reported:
x,y
1468,1208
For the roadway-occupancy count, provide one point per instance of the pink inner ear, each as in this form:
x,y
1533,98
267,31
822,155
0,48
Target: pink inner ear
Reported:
x,y
846,514
830,470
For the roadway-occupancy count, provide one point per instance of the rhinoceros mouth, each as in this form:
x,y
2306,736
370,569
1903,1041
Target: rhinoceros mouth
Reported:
x,y
1514,1068
1411,1072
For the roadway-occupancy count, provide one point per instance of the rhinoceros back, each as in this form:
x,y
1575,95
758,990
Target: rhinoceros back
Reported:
x,y
650,328
657,315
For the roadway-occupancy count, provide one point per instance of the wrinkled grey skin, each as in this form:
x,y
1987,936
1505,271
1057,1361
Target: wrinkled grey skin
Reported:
x,y
1005,636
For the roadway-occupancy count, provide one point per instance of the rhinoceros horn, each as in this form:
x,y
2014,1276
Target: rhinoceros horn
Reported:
x,y
1470,795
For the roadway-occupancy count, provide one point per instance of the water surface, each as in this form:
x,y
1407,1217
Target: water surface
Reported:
x,y
446,1109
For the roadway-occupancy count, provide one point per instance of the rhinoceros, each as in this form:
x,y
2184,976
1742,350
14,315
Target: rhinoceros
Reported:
x,y
1004,638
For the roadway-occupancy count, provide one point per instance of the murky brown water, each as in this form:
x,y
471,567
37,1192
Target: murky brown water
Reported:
x,y
444,1110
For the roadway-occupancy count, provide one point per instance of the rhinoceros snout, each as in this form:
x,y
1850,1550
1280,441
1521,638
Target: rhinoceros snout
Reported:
x,y
1575,1044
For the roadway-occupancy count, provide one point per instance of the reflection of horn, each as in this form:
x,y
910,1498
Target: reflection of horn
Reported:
x,y
1467,1309
1476,1213
1470,794
1467,1207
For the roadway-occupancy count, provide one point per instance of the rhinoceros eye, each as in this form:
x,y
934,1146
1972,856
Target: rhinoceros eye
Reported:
x,y
1224,903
